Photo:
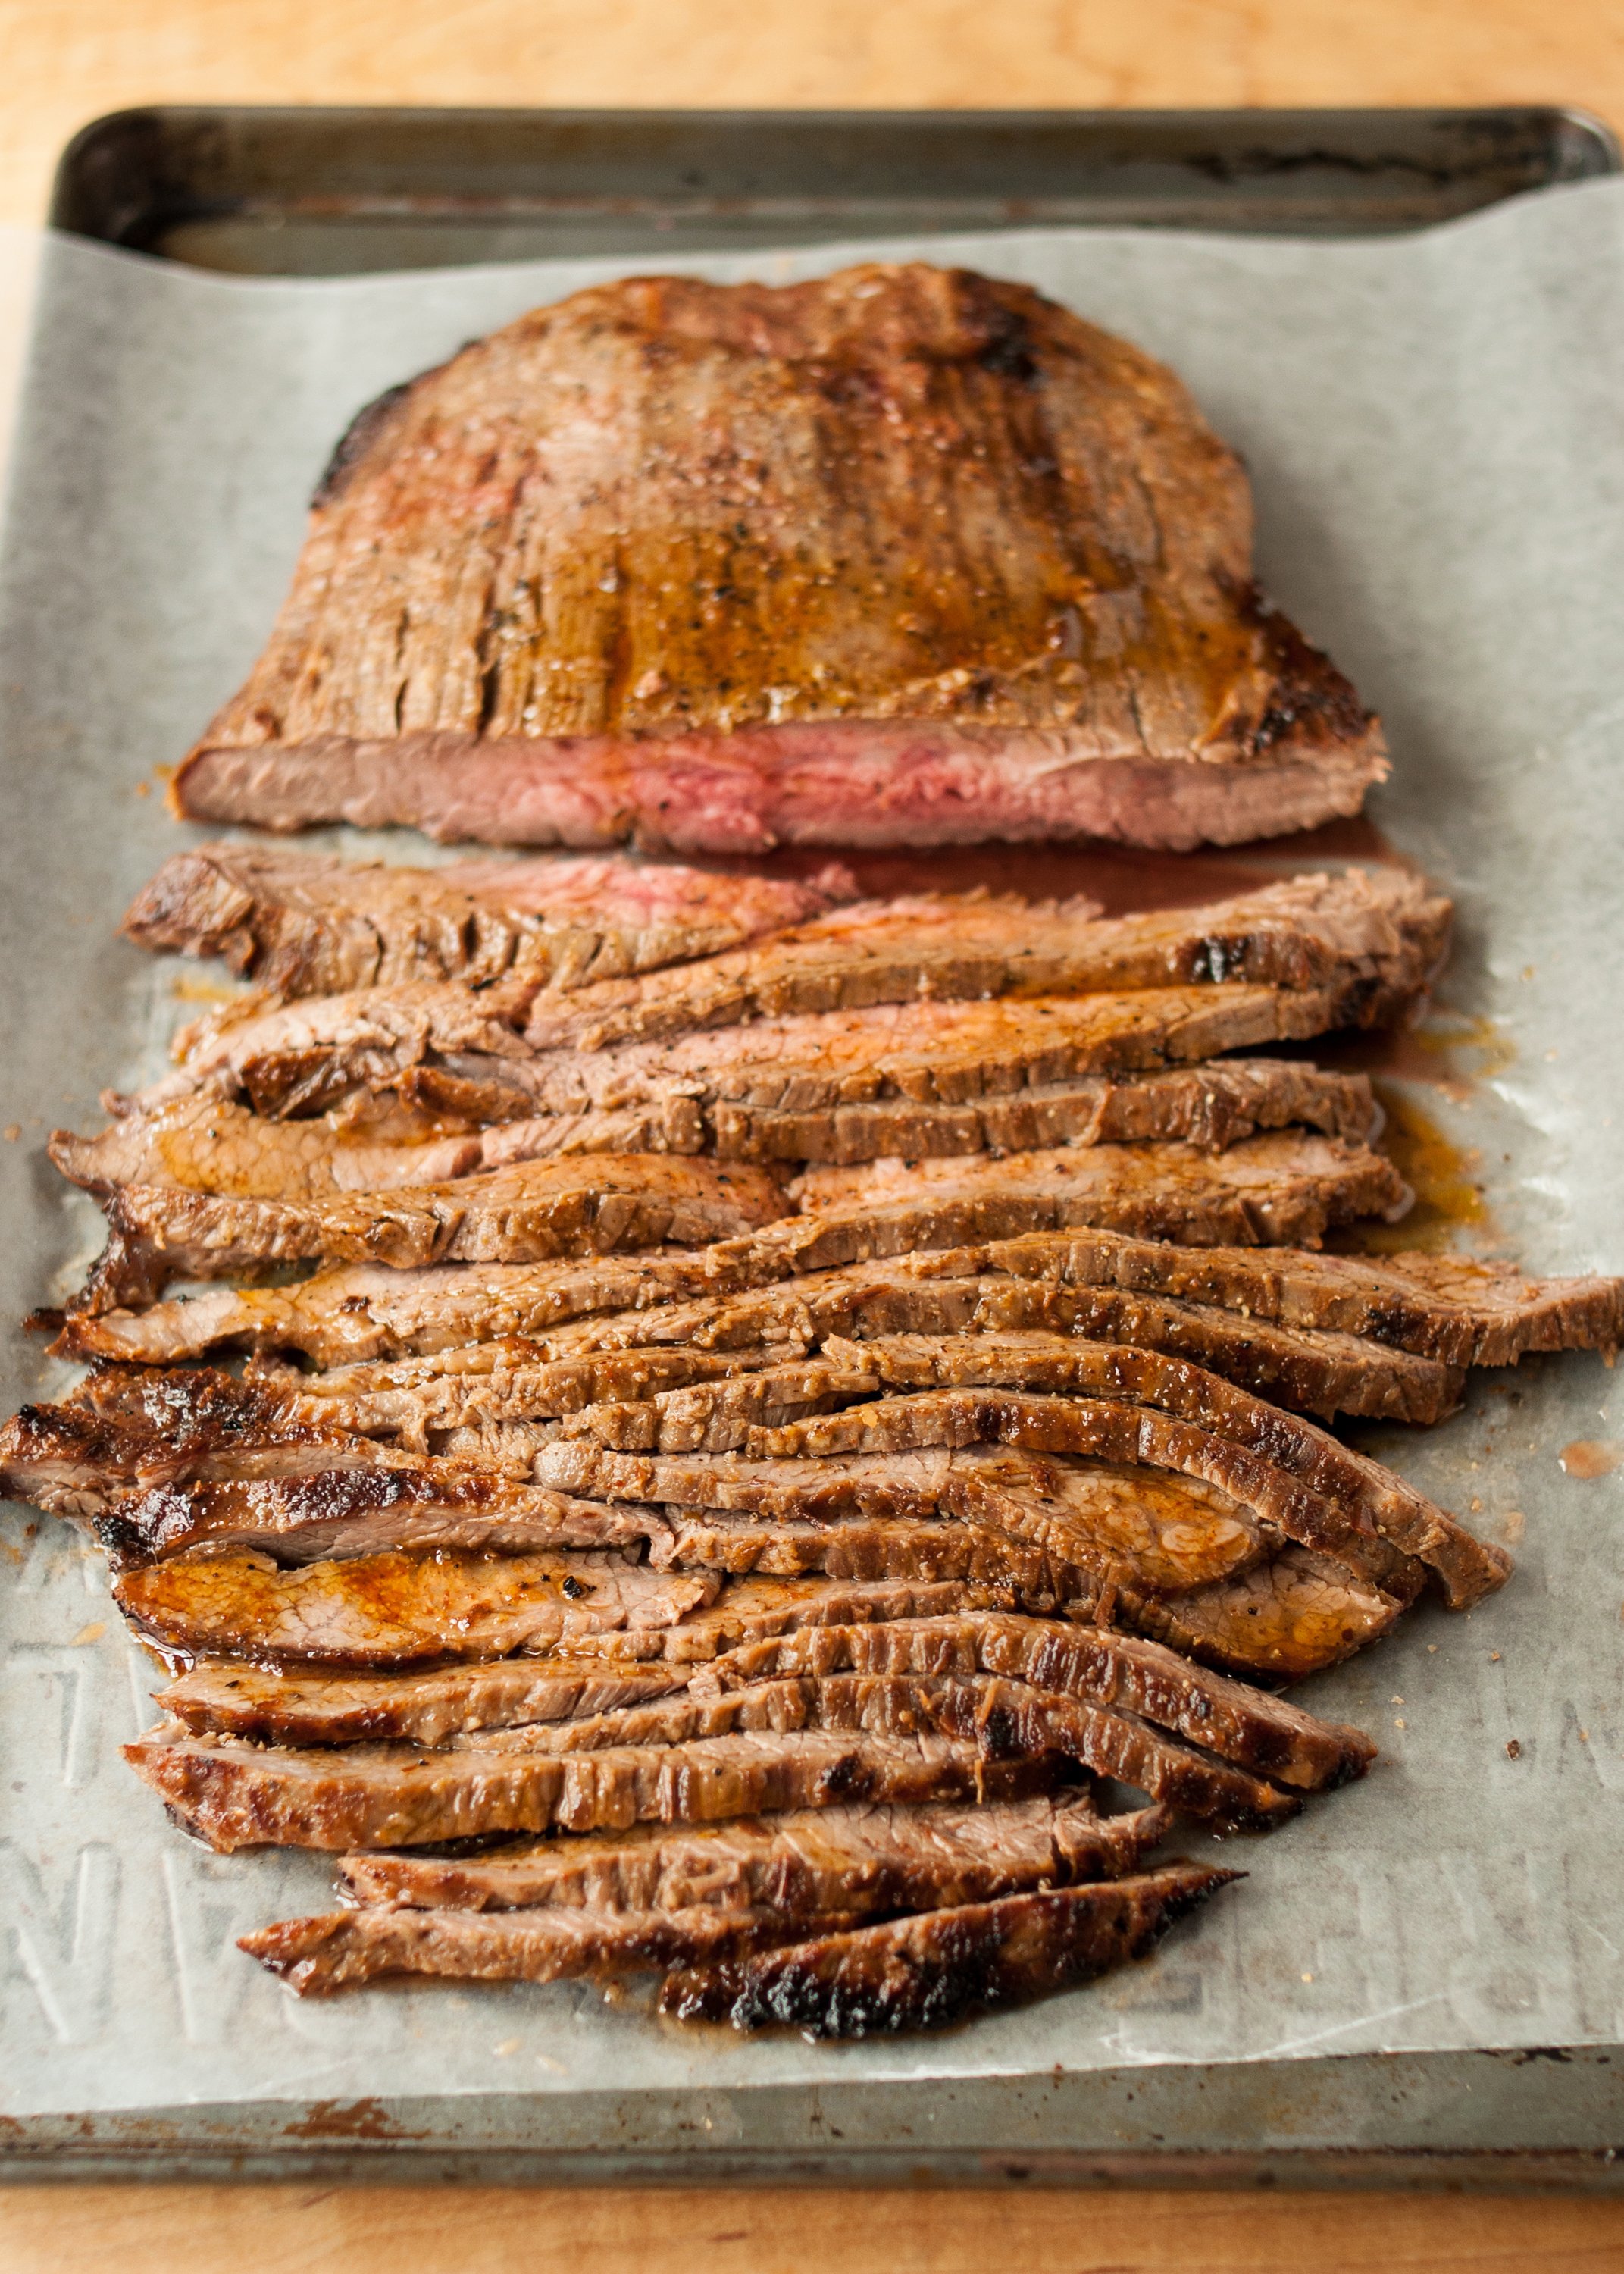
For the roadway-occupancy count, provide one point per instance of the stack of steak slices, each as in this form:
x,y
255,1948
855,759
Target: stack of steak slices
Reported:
x,y
791,1401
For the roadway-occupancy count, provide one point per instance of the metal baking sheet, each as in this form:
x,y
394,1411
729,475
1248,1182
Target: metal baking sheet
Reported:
x,y
328,191
1425,1972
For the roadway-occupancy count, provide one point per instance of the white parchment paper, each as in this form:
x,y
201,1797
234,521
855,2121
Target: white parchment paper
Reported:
x,y
1435,429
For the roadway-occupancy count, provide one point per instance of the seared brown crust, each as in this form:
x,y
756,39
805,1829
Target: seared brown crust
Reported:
x,y
1293,1615
307,924
928,1972
237,1795
865,1858
509,624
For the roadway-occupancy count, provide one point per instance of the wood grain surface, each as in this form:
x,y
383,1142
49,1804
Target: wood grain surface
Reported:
x,y
63,61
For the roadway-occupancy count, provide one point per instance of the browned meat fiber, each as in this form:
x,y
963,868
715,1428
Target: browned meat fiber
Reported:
x,y
305,923
635,1765
207,1144
869,1857
568,1208
239,1795
1350,949
604,1662
928,1972
903,555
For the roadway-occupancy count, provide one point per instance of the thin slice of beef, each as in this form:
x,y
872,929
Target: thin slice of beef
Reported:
x,y
392,1610
1264,1191
240,1700
1015,1573
928,1972
1466,1569
307,923
1277,1621
341,1949
536,1209
1211,1106
1366,941
1263,1733
319,1708
204,1144
1176,1503
240,1795
1451,1310
647,1764
167,1463
868,1857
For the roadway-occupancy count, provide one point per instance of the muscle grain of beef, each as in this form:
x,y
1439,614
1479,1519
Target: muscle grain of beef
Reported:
x,y
1365,943
1454,1311
208,1145
343,1948
929,1972
1265,1191
307,923
240,1795
1211,1106
869,1857
1240,1724
390,1610
965,567
521,1214
603,1667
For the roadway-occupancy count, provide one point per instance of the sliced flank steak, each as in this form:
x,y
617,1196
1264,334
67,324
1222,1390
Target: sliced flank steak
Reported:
x,y
538,1209
929,1972
307,923
870,1856
648,1764
234,1795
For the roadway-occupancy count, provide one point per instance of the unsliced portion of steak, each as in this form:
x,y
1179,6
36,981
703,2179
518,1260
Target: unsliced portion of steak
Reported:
x,y
240,1795
204,1144
868,1857
307,923
341,1949
1266,1191
1241,1724
399,1610
304,1708
1211,1106
1364,942
901,555
575,1775
540,1208
928,1972
1279,1621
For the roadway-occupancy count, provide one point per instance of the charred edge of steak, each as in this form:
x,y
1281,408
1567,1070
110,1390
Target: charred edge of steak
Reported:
x,y
932,1970
368,426
1311,699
